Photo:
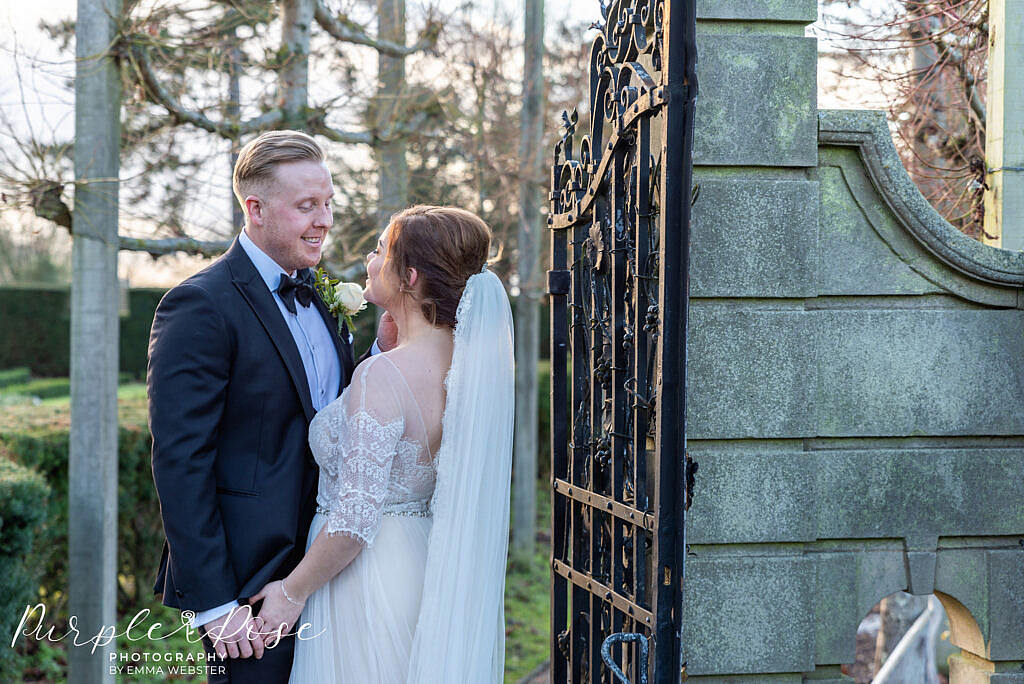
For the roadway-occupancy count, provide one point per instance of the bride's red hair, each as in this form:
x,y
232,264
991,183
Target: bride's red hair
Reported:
x,y
446,245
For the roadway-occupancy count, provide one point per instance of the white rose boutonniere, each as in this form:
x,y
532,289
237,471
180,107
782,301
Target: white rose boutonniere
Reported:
x,y
343,300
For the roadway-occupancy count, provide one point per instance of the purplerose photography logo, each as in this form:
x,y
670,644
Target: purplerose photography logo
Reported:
x,y
137,659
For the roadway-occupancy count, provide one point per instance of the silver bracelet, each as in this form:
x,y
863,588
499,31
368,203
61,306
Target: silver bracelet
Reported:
x,y
290,599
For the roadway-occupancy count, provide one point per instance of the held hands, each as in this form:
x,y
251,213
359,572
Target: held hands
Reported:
x,y
236,634
387,333
279,613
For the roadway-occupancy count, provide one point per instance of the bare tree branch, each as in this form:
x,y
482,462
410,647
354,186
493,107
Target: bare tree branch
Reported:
x,y
45,199
159,246
398,129
361,137
231,130
47,204
954,57
140,59
344,29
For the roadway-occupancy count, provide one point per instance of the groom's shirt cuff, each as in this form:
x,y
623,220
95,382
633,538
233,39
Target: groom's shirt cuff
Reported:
x,y
202,618
375,349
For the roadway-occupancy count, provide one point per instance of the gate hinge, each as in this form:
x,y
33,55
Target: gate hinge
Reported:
x,y
559,282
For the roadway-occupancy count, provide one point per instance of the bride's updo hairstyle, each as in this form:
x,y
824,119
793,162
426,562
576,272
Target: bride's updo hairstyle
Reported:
x,y
446,245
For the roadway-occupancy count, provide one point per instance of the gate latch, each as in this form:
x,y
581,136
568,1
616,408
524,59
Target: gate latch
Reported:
x,y
606,656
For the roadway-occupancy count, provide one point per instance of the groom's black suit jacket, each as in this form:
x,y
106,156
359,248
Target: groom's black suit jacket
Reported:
x,y
229,411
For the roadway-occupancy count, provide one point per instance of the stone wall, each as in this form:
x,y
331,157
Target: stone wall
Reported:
x,y
855,381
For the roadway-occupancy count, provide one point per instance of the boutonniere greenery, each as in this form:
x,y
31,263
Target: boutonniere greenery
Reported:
x,y
343,300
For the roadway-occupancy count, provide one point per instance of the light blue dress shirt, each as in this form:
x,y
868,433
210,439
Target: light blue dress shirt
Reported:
x,y
312,338
319,357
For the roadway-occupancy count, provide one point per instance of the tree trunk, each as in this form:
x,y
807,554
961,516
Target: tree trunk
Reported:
x,y
392,166
293,83
92,461
524,493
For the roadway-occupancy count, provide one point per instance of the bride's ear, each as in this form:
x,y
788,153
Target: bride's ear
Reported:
x,y
413,277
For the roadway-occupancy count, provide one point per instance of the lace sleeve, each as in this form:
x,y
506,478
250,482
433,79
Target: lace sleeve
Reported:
x,y
367,439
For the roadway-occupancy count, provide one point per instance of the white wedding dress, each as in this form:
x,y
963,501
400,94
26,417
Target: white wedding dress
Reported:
x,y
376,480
422,603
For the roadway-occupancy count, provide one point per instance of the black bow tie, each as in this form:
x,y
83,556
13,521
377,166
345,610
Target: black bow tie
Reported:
x,y
299,288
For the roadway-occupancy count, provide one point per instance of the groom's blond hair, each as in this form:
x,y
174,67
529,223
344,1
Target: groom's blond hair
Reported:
x,y
254,170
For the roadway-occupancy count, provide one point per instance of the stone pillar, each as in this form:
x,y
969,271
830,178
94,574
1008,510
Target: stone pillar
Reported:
x,y
1004,130
852,390
753,244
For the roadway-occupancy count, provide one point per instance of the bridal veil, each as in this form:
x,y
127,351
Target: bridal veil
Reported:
x,y
460,632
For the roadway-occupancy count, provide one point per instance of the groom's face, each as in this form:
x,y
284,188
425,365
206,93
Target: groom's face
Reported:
x,y
291,221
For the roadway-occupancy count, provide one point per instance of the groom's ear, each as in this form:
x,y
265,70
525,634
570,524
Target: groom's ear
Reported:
x,y
254,209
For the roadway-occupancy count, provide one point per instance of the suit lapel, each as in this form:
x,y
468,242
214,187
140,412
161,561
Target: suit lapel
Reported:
x,y
344,349
248,281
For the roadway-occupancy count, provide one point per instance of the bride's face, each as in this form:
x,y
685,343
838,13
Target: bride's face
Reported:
x,y
382,286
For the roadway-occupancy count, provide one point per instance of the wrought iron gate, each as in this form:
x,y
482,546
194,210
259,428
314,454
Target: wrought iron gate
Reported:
x,y
619,219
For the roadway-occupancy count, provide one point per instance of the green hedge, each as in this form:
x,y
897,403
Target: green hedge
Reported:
x,y
23,506
36,438
49,388
36,330
135,330
42,445
44,388
13,376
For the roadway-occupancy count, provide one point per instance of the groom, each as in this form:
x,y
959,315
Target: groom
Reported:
x,y
241,357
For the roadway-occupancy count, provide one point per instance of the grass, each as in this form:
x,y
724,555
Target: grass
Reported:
x,y
527,604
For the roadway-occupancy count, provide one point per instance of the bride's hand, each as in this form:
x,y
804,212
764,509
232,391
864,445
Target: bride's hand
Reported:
x,y
387,332
279,613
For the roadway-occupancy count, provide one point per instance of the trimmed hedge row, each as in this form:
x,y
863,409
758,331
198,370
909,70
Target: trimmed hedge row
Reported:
x,y
36,330
23,507
13,376
48,388
44,388
42,446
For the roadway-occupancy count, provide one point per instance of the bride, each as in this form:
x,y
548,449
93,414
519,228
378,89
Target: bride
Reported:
x,y
403,578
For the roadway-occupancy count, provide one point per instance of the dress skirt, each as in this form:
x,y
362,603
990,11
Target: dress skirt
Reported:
x,y
363,620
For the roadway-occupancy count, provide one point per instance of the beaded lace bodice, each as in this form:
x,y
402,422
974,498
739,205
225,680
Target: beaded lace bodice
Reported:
x,y
371,446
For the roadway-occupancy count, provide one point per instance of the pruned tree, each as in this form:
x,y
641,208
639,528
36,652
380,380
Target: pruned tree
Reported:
x,y
172,58
451,114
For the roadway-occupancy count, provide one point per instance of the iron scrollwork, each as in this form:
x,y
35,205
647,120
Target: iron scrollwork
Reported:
x,y
615,522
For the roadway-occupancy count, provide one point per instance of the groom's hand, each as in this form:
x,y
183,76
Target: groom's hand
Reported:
x,y
387,333
236,634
